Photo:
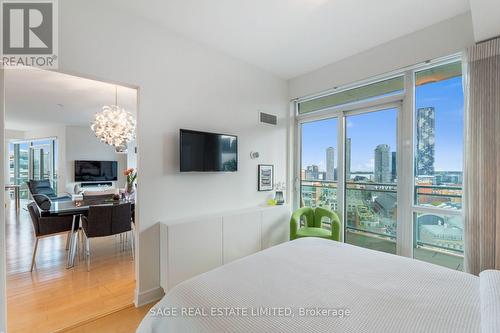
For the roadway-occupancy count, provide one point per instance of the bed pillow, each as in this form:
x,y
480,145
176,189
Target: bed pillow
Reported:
x,y
489,288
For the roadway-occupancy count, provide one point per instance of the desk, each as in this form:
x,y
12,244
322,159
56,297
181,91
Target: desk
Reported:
x,y
77,208
17,195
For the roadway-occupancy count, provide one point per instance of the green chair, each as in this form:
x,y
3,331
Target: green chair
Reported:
x,y
313,225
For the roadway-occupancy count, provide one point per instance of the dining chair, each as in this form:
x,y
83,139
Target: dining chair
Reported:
x,y
47,226
107,220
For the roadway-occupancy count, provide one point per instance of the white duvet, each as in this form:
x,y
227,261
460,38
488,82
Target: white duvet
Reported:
x,y
344,288
490,301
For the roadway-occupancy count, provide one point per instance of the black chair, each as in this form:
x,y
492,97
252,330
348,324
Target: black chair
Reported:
x,y
43,187
43,202
48,226
106,220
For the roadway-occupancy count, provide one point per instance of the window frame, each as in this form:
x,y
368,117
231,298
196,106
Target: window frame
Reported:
x,y
405,102
416,209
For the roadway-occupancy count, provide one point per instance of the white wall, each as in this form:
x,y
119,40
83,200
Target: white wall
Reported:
x,y
82,144
442,39
182,85
14,135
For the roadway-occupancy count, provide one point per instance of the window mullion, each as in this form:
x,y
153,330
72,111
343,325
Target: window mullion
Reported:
x,y
405,170
341,173
297,148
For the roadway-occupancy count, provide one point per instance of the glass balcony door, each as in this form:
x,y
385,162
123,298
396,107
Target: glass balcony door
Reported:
x,y
371,180
348,165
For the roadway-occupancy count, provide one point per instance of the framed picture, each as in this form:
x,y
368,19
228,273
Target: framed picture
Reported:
x,y
266,177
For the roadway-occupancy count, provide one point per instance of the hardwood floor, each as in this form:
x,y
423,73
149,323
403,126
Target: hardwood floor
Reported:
x,y
124,321
52,297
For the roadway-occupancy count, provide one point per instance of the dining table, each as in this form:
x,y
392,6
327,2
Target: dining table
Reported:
x,y
76,208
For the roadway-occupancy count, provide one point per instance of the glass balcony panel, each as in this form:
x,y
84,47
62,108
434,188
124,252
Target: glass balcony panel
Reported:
x,y
438,239
370,241
371,215
320,194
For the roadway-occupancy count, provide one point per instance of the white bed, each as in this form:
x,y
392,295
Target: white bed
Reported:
x,y
382,292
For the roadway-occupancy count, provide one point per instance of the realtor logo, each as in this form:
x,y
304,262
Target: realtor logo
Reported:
x,y
29,33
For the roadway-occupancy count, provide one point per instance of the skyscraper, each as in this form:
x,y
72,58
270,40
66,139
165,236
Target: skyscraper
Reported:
x,y
394,166
312,172
348,158
382,172
330,163
425,141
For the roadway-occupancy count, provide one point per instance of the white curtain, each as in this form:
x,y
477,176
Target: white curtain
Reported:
x,y
482,157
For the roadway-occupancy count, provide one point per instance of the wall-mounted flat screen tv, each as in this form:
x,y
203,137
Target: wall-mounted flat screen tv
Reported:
x,y
202,151
94,171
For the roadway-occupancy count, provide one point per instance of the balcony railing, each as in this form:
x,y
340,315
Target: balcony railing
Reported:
x,y
443,196
371,208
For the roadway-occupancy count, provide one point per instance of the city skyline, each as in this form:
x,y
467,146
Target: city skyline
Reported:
x,y
384,168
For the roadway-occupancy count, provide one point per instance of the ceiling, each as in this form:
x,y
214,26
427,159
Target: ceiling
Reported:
x,y
293,37
37,98
485,19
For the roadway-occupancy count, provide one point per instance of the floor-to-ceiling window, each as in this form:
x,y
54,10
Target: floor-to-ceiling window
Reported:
x,y
19,166
396,188
438,224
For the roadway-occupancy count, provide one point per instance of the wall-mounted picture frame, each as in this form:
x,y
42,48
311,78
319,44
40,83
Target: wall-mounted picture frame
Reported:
x,y
266,177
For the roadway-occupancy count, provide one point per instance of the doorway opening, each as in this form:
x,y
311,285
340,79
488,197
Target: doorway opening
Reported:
x,y
58,174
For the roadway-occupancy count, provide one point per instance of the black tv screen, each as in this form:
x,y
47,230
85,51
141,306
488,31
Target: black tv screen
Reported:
x,y
93,171
202,151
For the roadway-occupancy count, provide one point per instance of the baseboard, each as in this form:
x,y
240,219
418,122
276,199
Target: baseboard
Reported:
x,y
148,296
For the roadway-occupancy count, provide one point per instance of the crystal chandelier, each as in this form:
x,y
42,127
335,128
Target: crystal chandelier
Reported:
x,y
114,126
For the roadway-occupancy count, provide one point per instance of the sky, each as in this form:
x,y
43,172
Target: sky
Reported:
x,y
371,129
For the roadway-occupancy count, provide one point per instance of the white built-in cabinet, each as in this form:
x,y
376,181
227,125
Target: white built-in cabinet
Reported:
x,y
196,245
